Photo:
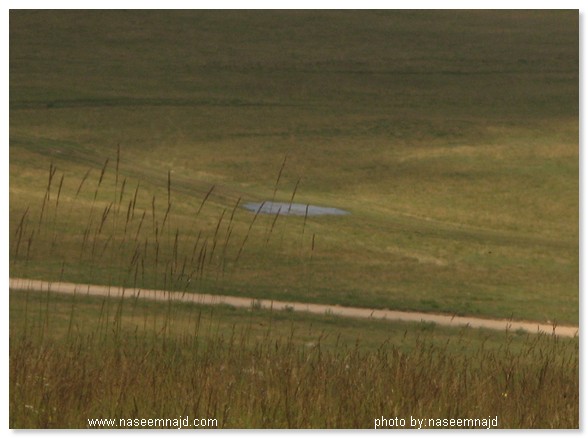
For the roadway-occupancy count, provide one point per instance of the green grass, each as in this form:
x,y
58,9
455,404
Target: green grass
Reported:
x,y
374,258
450,136
78,358
60,317
456,151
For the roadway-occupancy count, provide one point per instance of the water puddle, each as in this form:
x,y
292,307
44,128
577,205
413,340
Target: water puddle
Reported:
x,y
287,209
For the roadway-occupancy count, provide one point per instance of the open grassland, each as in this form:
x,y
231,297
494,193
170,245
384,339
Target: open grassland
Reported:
x,y
452,137
77,359
107,228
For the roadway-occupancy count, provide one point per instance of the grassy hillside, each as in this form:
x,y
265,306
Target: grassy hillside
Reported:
x,y
451,137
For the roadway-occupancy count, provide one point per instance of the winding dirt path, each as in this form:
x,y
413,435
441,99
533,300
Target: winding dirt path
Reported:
x,y
351,312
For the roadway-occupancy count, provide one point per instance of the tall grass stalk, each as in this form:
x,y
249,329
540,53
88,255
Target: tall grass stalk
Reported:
x,y
204,201
271,227
20,229
228,233
55,213
248,232
47,195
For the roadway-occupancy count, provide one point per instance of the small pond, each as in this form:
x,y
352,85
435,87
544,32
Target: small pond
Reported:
x,y
287,209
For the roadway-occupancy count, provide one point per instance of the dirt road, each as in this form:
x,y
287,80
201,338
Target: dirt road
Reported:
x,y
351,312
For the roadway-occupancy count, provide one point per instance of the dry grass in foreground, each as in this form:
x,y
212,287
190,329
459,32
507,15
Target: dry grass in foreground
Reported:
x,y
245,378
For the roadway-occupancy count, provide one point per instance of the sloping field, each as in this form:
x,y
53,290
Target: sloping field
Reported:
x,y
138,139
451,137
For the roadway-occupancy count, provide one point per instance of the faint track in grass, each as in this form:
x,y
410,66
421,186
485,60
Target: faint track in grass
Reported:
x,y
23,284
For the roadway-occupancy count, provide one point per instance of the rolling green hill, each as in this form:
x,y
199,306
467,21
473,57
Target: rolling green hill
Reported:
x,y
451,137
